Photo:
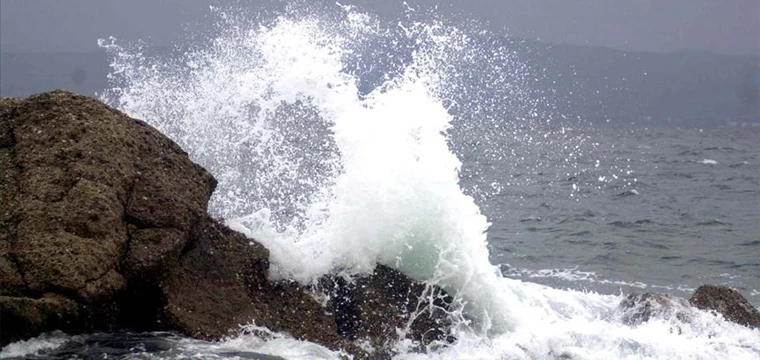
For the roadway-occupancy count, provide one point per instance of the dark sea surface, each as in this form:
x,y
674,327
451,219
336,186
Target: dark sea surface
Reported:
x,y
665,210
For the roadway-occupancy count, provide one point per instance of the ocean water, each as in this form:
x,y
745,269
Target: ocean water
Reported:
x,y
679,209
344,141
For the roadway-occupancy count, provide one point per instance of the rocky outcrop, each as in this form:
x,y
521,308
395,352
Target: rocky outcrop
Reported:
x,y
95,204
637,308
103,226
727,302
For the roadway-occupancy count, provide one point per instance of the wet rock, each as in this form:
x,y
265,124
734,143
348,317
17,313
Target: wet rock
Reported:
x,y
222,269
727,302
638,308
372,309
24,317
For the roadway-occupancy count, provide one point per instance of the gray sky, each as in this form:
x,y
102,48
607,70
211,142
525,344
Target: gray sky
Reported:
x,y
723,26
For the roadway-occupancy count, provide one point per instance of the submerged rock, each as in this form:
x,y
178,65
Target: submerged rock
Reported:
x,y
103,226
638,308
728,302
386,307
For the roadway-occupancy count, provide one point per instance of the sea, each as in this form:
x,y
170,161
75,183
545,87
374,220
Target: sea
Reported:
x,y
344,140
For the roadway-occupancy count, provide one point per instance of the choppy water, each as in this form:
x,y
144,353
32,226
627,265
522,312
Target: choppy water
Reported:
x,y
683,211
344,141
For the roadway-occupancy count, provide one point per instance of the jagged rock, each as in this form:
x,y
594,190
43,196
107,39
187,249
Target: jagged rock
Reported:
x,y
103,226
638,308
727,302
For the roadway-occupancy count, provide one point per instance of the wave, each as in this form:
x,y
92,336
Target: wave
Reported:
x,y
330,133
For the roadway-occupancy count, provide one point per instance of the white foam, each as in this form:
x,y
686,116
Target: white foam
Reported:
x,y
33,346
708,162
396,199
262,341
575,275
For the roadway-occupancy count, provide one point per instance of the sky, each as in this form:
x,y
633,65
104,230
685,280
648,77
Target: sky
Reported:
x,y
721,26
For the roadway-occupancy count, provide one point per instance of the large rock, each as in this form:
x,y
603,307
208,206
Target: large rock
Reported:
x,y
103,226
94,204
727,302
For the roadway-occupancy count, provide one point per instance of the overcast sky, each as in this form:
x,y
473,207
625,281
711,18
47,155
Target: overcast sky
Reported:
x,y
723,26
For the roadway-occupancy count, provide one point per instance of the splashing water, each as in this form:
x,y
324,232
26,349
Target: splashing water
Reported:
x,y
330,136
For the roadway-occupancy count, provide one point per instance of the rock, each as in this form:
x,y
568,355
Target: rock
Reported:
x,y
94,203
638,308
371,309
104,226
727,302
29,317
232,276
